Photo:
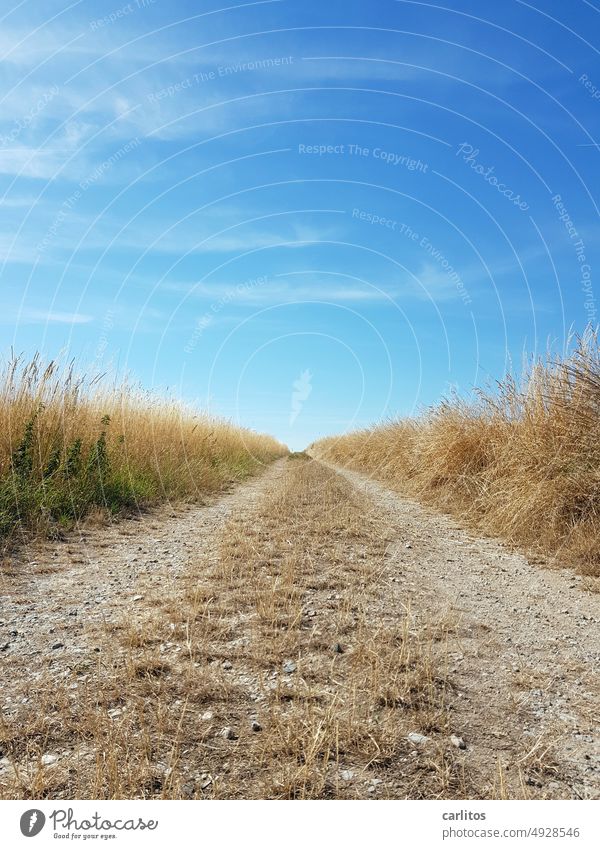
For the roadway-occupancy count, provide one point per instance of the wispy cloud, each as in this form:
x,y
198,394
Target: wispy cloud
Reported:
x,y
317,292
194,236
42,317
277,290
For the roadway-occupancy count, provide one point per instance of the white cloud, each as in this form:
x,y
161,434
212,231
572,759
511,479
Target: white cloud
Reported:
x,y
28,316
275,290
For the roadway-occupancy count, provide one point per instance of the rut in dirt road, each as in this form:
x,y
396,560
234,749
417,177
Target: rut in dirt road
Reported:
x,y
309,635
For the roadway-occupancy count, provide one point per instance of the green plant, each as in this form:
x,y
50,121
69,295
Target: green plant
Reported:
x,y
62,465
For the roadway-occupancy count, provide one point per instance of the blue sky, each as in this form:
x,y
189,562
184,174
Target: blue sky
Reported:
x,y
304,216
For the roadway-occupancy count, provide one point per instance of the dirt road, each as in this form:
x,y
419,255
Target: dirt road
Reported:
x,y
309,634
523,650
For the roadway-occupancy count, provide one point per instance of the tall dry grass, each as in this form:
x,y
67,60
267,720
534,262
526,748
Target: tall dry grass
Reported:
x,y
521,462
69,444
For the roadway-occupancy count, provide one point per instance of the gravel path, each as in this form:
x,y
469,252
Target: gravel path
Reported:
x,y
524,653
523,649
59,599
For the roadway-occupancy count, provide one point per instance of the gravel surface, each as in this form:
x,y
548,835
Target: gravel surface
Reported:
x,y
59,599
522,654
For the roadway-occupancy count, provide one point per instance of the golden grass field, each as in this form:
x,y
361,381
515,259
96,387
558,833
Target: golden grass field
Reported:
x,y
521,463
72,445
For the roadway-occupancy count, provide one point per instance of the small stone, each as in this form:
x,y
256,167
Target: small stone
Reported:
x,y
227,664
58,645
228,733
289,666
408,545
137,598
337,648
163,770
256,726
458,741
48,760
98,600
419,739
347,775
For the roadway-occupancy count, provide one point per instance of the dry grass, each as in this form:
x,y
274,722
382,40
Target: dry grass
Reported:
x,y
522,463
290,623
69,446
